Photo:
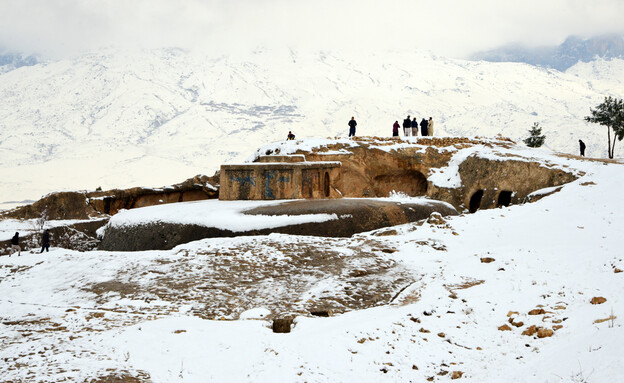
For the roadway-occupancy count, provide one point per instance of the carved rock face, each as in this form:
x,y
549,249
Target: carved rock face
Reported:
x,y
369,171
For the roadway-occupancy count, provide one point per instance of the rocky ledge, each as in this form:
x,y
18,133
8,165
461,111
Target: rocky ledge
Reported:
x,y
351,216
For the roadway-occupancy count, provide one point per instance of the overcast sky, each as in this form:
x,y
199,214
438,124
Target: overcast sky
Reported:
x,y
452,28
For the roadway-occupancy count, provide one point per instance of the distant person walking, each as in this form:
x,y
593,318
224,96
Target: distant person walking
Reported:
x,y
582,147
407,124
15,245
423,127
395,129
414,127
352,125
430,126
45,241
291,136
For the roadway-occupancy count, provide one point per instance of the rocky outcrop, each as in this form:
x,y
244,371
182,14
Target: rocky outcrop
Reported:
x,y
84,205
374,167
353,216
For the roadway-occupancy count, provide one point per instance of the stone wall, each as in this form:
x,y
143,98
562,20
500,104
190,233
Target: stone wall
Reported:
x,y
285,180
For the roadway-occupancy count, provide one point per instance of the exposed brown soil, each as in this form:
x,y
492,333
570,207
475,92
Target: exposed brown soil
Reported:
x,y
311,275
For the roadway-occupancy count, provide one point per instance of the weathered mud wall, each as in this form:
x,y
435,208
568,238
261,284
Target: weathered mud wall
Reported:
x,y
83,205
286,180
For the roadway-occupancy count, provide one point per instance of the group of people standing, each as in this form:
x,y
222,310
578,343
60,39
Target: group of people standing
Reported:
x,y
410,127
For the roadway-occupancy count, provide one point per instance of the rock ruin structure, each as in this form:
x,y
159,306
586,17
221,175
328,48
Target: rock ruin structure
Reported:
x,y
280,177
374,167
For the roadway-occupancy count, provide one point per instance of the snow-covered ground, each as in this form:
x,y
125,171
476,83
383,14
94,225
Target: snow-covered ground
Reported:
x,y
154,118
556,254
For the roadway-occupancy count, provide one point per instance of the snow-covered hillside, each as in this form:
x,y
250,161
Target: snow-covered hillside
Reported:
x,y
118,119
475,288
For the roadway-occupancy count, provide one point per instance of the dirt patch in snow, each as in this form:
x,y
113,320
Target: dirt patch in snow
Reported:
x,y
297,278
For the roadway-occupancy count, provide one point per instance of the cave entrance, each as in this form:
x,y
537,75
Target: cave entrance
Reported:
x,y
475,201
504,198
326,184
411,182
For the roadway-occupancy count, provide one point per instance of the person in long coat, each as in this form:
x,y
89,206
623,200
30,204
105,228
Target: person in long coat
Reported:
x,y
430,126
395,129
582,147
45,241
407,125
352,125
15,245
423,127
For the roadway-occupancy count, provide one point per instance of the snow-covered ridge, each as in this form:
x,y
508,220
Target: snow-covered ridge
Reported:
x,y
157,117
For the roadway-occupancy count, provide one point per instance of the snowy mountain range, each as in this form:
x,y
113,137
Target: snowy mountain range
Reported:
x,y
119,119
560,57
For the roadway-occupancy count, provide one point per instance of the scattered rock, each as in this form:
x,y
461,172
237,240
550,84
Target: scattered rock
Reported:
x,y
510,313
616,270
598,300
424,330
504,328
537,312
530,331
516,324
544,333
441,334
457,375
436,219
415,320
557,327
487,260
414,367
179,331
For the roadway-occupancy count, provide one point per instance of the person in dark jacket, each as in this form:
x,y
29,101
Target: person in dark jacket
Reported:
x,y
423,127
291,136
352,125
395,129
15,245
45,241
407,125
414,127
582,147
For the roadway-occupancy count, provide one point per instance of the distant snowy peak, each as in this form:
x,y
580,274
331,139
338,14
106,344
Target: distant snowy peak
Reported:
x,y
561,57
12,60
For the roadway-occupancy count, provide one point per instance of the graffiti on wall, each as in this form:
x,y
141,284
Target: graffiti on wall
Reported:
x,y
243,181
275,183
